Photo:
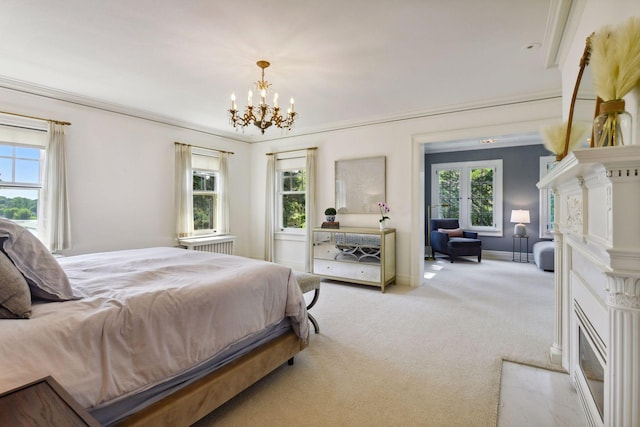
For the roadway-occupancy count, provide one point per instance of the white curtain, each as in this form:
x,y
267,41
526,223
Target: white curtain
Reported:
x,y
184,191
54,209
270,208
223,193
310,207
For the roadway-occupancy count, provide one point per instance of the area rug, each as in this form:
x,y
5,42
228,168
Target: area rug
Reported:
x,y
425,356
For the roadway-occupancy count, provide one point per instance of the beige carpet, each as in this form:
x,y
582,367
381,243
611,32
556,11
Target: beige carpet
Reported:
x,y
427,356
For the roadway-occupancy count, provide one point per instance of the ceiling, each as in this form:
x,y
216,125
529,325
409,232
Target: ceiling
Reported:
x,y
346,63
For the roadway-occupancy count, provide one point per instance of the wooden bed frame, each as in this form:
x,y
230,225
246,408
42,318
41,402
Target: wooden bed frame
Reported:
x,y
188,405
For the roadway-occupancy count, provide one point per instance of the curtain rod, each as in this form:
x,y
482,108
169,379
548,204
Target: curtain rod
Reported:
x,y
23,127
205,148
58,122
291,151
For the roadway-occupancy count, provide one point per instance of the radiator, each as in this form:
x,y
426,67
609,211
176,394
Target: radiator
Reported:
x,y
218,244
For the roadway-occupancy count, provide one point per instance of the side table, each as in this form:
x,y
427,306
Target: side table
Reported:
x,y
42,403
519,251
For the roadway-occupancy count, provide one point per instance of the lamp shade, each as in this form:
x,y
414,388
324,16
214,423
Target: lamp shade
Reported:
x,y
520,216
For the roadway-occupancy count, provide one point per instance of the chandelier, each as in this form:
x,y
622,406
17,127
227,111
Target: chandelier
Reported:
x,y
262,116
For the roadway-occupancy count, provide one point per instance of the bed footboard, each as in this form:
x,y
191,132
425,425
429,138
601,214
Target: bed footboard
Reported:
x,y
188,405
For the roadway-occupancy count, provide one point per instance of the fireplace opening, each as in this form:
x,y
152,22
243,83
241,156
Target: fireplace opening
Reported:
x,y
592,370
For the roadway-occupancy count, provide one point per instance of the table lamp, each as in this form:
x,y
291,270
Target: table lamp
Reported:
x,y
521,217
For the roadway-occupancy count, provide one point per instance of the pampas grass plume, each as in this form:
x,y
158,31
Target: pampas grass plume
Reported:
x,y
554,136
628,50
602,66
615,59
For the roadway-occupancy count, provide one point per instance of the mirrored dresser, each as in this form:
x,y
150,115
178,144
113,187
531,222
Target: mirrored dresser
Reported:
x,y
365,256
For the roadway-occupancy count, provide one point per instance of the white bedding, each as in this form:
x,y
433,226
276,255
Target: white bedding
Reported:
x,y
146,316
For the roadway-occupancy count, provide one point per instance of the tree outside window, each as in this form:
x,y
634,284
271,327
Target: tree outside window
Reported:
x,y
470,192
292,189
449,193
205,201
547,199
20,184
482,195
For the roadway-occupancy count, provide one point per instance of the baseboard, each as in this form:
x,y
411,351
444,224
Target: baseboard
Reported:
x,y
403,280
500,255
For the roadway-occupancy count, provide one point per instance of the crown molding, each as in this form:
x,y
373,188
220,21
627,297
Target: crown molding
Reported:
x,y
59,95
554,31
421,114
37,90
571,26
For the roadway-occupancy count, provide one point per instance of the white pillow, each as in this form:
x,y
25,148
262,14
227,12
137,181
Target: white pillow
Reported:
x,y
46,279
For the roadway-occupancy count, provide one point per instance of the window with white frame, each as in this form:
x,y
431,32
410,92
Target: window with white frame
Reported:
x,y
291,181
205,193
22,154
547,201
470,192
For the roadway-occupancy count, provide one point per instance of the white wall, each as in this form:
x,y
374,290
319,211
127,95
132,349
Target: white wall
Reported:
x,y
401,142
121,175
121,171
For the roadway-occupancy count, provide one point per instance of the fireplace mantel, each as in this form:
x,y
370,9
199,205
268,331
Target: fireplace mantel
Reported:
x,y
581,162
597,274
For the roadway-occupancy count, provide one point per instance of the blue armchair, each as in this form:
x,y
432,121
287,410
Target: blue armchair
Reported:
x,y
466,245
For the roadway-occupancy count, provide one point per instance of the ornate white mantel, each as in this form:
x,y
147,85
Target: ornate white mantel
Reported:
x,y
597,274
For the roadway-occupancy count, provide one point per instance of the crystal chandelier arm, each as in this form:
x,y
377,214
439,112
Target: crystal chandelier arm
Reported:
x,y
283,122
263,110
243,121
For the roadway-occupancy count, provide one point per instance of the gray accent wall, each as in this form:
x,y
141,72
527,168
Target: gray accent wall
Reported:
x,y
521,173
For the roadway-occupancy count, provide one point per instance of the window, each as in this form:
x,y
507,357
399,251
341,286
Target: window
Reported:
x,y
547,201
206,192
291,193
205,201
449,193
292,187
470,192
20,183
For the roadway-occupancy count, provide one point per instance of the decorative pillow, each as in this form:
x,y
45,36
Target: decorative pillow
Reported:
x,y
15,298
452,232
46,279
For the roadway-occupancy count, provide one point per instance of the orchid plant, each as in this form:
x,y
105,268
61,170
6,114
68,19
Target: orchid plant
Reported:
x,y
384,209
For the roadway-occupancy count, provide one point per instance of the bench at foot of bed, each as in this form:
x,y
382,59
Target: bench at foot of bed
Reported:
x,y
310,282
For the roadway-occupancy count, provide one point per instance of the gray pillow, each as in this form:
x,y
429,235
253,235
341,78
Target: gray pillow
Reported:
x,y
46,279
15,298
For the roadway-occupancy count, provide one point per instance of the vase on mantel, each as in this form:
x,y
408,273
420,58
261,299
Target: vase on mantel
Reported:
x,y
612,125
383,224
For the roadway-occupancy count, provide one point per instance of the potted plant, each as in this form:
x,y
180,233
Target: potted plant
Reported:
x,y
330,214
384,210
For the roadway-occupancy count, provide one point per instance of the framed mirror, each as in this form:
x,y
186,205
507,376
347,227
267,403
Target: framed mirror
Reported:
x,y
360,185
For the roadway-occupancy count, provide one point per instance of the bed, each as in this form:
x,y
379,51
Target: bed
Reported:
x,y
154,336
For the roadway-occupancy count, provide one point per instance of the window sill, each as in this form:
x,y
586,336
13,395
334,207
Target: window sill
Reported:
x,y
291,236
205,238
487,233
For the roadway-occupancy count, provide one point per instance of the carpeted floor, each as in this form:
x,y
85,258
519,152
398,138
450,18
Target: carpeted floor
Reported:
x,y
427,356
